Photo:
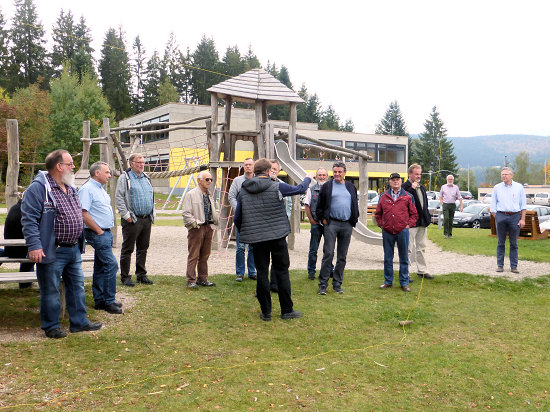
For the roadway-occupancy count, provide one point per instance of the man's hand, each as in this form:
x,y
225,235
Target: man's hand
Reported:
x,y
325,222
414,185
521,223
313,222
129,220
36,255
310,175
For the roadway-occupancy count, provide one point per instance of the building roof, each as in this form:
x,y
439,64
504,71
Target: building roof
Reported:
x,y
256,84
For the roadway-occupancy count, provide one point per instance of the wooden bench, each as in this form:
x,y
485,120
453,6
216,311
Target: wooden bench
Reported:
x,y
531,230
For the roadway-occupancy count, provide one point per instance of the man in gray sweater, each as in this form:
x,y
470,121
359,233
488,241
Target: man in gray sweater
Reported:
x,y
248,167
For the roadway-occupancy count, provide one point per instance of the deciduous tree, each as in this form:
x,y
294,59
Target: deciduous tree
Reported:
x,y
167,92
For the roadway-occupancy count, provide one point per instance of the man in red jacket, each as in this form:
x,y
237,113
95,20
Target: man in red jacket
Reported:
x,y
395,214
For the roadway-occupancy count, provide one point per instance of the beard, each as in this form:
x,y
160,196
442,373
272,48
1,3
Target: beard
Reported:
x,y
68,179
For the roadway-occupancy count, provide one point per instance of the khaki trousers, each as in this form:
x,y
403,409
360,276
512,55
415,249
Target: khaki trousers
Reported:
x,y
199,245
417,246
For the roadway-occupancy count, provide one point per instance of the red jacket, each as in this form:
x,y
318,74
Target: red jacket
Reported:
x,y
392,216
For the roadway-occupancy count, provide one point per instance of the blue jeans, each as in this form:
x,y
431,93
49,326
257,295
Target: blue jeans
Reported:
x,y
239,258
388,241
316,235
507,225
68,264
105,266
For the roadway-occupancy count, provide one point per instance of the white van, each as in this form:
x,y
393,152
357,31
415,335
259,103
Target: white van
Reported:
x,y
542,199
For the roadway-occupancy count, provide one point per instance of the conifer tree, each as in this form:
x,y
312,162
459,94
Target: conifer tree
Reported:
x,y
114,69
434,152
205,61
64,41
152,82
138,69
83,60
28,57
4,58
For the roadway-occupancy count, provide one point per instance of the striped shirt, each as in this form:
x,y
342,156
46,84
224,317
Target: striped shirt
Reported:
x,y
141,194
68,224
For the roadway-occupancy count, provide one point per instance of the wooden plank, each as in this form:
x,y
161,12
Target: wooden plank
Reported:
x,y
12,172
16,277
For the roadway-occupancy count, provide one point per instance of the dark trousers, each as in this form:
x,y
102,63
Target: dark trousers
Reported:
x,y
448,216
138,235
199,245
277,251
507,225
336,234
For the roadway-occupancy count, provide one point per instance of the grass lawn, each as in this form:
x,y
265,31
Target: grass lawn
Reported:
x,y
475,342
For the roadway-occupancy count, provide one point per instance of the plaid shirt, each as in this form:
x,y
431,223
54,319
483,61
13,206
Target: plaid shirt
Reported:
x,y
207,208
69,224
141,194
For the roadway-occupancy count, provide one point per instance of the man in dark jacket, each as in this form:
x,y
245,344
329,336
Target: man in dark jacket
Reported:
x,y
263,223
53,228
395,214
418,234
338,211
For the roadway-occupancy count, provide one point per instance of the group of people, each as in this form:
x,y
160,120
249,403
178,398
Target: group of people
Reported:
x,y
57,220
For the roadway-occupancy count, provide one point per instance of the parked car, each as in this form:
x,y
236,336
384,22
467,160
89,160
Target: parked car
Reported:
x,y
530,198
476,216
542,199
432,195
374,201
466,195
487,198
434,207
468,202
372,194
543,212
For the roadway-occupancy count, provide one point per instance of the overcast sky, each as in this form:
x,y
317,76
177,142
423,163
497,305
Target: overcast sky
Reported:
x,y
485,64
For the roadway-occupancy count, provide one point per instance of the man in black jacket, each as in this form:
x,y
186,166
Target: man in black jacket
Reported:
x,y
418,234
338,211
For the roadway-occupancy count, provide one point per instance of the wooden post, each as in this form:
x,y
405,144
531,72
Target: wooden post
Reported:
x,y
295,217
229,145
260,138
270,140
363,189
225,207
213,149
86,144
12,173
110,160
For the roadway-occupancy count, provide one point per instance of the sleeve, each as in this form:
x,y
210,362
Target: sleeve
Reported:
x,y
288,190
378,214
187,212
31,213
413,214
120,195
319,211
233,192
307,200
522,199
85,198
237,219
493,208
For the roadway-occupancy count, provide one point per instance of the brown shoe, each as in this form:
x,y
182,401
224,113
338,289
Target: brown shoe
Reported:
x,y
515,270
385,286
500,269
405,288
425,275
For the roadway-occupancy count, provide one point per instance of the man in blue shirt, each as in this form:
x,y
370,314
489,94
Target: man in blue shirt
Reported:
x,y
338,211
508,207
98,220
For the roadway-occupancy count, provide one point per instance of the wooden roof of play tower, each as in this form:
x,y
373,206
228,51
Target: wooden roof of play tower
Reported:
x,y
256,85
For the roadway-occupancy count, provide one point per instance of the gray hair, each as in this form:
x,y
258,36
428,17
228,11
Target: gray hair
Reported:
x,y
95,167
339,164
508,168
135,156
451,176
202,173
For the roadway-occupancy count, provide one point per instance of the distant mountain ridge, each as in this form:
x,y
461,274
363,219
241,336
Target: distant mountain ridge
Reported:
x,y
484,151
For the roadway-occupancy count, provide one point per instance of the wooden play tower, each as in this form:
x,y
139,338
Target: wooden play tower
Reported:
x,y
255,87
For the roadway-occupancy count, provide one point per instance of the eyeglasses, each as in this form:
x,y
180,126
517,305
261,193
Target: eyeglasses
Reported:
x,y
208,179
68,164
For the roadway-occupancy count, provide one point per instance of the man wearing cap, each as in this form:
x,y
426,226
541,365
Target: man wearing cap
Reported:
x,y
395,214
338,210
448,196
418,234
508,207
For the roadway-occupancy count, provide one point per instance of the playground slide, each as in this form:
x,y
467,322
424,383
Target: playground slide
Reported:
x,y
295,171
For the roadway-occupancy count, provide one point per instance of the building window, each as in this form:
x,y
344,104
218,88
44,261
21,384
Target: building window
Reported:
x,y
317,153
330,155
165,118
157,163
370,148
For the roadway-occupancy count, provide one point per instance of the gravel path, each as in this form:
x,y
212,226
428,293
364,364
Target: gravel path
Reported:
x,y
168,255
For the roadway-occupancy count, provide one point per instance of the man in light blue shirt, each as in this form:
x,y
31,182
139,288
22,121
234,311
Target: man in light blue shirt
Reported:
x,y
508,207
98,220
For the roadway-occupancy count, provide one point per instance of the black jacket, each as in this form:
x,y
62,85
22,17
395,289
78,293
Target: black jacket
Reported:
x,y
325,198
424,217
